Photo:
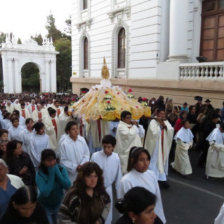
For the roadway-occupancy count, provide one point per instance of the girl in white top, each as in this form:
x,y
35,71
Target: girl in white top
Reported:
x,y
15,130
140,176
39,142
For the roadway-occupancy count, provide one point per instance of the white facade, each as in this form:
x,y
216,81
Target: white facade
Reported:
x,y
160,34
15,56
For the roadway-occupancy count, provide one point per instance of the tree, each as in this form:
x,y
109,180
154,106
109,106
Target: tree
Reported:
x,y
19,41
38,38
68,29
52,30
64,60
30,78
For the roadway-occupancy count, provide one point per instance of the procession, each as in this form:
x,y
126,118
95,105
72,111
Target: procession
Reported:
x,y
112,112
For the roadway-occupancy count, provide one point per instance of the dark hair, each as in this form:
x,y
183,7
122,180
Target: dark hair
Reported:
x,y
160,110
136,200
222,126
16,112
24,195
28,120
46,154
11,147
124,114
69,125
66,109
3,131
184,121
87,169
134,154
51,111
38,126
14,119
191,107
22,104
109,139
6,115
182,113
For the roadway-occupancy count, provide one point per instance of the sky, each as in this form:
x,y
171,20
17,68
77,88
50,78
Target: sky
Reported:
x,y
28,17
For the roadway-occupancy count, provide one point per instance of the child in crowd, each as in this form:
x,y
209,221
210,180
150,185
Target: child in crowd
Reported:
x,y
184,141
109,162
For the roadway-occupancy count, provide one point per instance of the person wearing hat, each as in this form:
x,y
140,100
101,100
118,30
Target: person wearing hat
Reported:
x,y
210,108
137,206
198,104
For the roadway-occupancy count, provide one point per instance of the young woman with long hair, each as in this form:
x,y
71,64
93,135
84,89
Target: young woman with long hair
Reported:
x,y
87,201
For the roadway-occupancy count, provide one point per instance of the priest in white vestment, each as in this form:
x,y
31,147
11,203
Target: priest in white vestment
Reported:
x,y
184,141
51,128
95,132
215,157
158,142
127,136
9,106
39,114
64,118
24,111
220,218
109,162
73,151
32,106
140,176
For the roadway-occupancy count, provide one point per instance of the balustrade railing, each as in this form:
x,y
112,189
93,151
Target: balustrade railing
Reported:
x,y
202,71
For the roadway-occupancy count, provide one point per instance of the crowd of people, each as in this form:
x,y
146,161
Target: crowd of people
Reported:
x,y
58,168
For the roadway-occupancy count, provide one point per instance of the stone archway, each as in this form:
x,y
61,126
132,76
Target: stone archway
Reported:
x,y
30,74
15,56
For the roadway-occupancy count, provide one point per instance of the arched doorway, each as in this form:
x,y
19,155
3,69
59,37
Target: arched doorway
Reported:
x,y
30,78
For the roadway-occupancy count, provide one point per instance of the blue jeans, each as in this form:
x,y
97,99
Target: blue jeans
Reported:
x,y
52,215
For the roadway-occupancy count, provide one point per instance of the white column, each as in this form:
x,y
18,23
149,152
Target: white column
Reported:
x,y
47,76
53,76
178,30
17,77
5,72
10,76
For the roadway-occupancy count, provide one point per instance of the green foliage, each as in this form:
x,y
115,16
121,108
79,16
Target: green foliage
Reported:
x,y
30,78
19,41
64,60
38,38
52,30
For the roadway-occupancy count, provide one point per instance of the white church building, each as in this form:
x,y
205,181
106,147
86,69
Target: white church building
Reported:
x,y
151,46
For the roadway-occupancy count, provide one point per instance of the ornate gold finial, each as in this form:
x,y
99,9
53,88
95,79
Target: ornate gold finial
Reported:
x,y
105,70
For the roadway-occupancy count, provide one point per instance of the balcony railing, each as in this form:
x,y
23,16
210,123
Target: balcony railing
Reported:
x,y
202,71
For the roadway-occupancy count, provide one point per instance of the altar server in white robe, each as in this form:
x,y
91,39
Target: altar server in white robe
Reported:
x,y
215,157
21,118
26,135
220,218
6,123
158,142
140,176
127,136
39,114
64,118
73,151
16,105
109,162
184,141
51,128
39,142
15,130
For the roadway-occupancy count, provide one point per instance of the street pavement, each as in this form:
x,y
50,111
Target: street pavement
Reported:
x,y
193,200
